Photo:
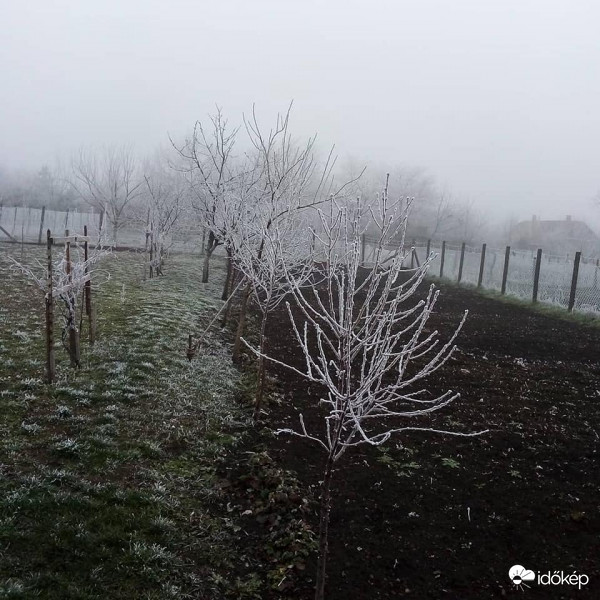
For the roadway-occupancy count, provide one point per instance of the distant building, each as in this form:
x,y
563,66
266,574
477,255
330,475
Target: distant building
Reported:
x,y
556,237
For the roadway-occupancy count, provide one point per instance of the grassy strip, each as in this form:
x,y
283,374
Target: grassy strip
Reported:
x,y
109,484
541,308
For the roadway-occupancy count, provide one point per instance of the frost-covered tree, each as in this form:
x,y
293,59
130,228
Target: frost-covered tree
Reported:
x,y
165,202
263,254
109,180
364,342
206,159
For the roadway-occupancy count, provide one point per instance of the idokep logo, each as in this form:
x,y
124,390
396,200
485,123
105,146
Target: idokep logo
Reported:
x,y
519,575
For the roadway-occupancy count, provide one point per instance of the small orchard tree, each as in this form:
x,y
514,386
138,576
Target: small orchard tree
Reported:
x,y
286,181
363,340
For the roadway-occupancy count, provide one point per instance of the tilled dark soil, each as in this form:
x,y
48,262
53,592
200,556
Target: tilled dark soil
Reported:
x,y
429,516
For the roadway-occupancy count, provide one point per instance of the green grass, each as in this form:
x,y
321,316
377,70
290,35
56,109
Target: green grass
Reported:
x,y
107,486
541,308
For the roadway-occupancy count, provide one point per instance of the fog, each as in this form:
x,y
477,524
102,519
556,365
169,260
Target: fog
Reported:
x,y
498,101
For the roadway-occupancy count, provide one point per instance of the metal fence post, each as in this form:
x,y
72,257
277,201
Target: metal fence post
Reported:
x,y
362,250
443,257
481,265
41,224
505,271
462,261
574,280
536,275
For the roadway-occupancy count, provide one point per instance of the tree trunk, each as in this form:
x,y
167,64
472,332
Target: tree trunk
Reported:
x,y
260,384
232,284
324,529
229,274
210,247
237,346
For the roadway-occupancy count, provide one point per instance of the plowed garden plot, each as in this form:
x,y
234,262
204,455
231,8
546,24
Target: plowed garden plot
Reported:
x,y
427,516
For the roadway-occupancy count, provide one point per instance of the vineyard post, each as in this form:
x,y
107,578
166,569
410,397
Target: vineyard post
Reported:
x,y
428,248
574,280
536,275
50,362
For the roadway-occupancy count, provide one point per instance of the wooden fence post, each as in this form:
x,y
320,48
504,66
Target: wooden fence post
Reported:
x,y
574,280
536,275
443,257
41,224
505,271
50,361
481,265
462,261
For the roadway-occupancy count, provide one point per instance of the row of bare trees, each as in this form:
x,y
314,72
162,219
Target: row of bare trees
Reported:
x,y
293,237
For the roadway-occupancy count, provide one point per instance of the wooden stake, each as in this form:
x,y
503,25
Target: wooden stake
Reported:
x,y
88,293
72,324
50,362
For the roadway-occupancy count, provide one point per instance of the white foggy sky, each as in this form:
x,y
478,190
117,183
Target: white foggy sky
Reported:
x,y
499,100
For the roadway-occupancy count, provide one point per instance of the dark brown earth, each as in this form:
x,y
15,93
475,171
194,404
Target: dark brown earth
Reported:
x,y
428,516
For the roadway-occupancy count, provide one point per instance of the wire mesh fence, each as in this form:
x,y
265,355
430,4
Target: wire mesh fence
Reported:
x,y
556,283
28,225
